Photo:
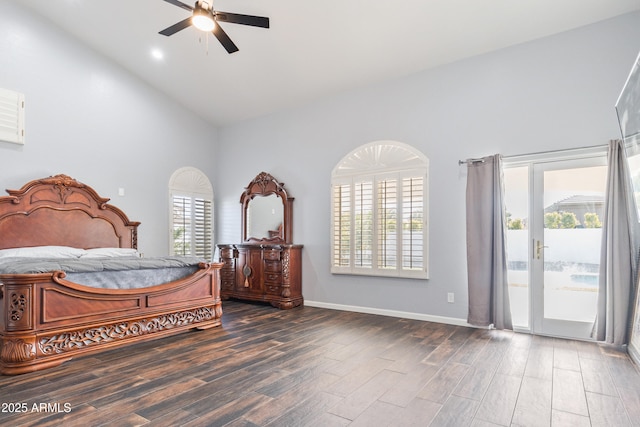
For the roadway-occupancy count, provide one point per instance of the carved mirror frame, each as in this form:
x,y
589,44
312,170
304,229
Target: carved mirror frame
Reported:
x,y
264,185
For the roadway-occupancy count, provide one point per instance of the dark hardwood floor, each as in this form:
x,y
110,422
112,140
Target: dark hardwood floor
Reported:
x,y
317,367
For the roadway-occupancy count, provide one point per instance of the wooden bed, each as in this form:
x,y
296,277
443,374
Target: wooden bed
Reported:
x,y
46,320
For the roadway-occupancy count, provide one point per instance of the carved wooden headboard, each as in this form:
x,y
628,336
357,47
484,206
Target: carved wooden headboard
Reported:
x,y
62,211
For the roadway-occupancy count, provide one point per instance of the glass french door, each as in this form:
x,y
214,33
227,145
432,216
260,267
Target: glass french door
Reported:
x,y
554,226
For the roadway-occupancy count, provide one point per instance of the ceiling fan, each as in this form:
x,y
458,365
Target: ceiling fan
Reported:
x,y
205,18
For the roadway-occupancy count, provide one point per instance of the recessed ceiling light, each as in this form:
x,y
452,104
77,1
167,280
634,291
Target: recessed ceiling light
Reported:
x,y
157,54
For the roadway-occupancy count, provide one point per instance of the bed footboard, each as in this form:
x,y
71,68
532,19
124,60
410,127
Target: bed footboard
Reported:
x,y
46,320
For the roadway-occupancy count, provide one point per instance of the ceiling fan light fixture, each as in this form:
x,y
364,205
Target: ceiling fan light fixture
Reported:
x,y
203,20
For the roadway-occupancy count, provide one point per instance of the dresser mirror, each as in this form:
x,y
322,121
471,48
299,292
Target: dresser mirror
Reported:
x,y
265,216
266,211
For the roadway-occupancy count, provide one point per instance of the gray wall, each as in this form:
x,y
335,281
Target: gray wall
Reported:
x,y
94,121
554,93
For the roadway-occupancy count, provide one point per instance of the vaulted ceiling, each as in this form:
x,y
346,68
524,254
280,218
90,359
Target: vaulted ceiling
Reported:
x,y
312,49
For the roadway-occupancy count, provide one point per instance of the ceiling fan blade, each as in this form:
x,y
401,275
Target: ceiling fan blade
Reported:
x,y
235,18
180,4
224,39
176,27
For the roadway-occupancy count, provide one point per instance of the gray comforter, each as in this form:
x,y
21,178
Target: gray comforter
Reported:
x,y
108,273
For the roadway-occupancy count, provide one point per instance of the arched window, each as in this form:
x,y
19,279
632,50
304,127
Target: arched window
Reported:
x,y
191,196
379,196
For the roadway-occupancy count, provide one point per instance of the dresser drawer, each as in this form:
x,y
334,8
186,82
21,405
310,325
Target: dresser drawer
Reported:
x,y
272,289
271,255
272,278
227,274
273,266
226,253
227,284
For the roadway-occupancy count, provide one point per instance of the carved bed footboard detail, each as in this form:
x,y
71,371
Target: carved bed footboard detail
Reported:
x,y
37,351
17,350
73,340
18,307
30,341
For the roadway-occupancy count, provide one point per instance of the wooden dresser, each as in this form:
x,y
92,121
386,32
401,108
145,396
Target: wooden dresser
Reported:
x,y
266,266
267,272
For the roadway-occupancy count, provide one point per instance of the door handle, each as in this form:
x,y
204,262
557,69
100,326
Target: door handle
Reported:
x,y
539,248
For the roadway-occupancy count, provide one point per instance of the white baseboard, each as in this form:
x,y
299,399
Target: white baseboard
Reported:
x,y
633,353
390,313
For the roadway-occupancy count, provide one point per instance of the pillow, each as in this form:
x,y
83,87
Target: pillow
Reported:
x,y
42,252
109,252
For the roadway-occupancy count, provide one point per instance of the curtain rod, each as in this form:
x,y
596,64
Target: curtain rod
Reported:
x,y
462,162
515,156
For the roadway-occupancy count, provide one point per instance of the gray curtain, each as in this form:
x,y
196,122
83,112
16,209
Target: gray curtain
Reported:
x,y
618,259
486,247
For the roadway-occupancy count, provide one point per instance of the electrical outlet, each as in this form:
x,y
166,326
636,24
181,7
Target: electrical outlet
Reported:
x,y
450,298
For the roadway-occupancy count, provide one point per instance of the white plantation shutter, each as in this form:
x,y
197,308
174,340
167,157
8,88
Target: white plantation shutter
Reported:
x,y
379,212
412,223
387,223
202,229
192,214
181,225
363,220
192,231
342,225
11,116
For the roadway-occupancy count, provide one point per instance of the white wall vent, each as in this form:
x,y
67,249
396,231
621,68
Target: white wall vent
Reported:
x,y
11,116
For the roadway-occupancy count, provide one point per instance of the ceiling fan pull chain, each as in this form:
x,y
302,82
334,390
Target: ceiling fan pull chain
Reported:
x,y
206,43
